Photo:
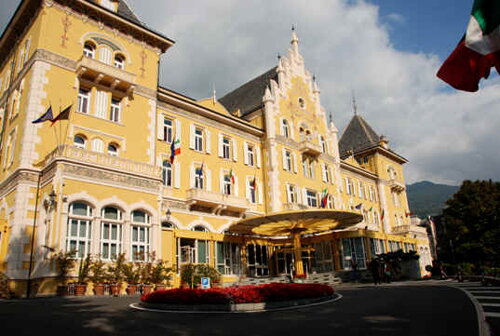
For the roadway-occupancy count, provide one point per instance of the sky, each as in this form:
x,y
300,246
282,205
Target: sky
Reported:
x,y
385,51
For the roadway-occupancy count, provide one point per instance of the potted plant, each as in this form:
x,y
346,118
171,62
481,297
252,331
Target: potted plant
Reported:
x,y
64,262
83,276
145,269
98,276
160,275
132,274
115,274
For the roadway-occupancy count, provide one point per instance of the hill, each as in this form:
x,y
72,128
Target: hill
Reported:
x,y
427,198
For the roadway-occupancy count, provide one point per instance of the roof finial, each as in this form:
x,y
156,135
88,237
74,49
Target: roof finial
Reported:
x,y
295,40
354,106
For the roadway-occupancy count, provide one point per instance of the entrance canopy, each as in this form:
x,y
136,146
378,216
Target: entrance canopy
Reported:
x,y
293,222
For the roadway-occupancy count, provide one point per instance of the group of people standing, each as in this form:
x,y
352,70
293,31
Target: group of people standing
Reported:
x,y
382,270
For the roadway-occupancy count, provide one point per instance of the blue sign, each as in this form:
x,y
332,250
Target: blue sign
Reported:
x,y
205,283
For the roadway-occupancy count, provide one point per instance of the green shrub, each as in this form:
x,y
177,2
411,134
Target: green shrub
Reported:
x,y
191,274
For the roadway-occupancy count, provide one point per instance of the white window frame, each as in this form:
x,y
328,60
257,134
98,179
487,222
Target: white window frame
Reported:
x,y
77,238
312,198
198,139
288,160
79,145
251,155
167,173
88,50
361,190
285,128
227,188
168,130
252,193
226,147
291,191
115,110
113,152
84,96
119,62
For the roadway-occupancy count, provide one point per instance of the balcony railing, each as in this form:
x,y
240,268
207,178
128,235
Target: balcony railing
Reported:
x,y
396,185
216,200
102,160
307,147
410,229
105,74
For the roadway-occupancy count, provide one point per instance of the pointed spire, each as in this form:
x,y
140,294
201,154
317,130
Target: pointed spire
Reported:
x,y
295,40
280,64
354,105
315,85
214,98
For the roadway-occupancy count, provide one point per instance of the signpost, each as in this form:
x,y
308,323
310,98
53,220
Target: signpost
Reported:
x,y
205,283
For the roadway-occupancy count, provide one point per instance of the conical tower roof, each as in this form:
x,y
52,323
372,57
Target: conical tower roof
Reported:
x,y
357,136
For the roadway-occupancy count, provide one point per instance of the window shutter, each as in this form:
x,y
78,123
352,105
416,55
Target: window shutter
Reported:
x,y
191,136
235,186
332,179
313,170
220,136
221,181
294,159
247,188
287,193
105,55
235,150
191,175
283,157
257,154
208,178
160,126
304,196
178,129
207,139
245,153
323,172
260,199
97,145
281,127
177,175
292,132
103,104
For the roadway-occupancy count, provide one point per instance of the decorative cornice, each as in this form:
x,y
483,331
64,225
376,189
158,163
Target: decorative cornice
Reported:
x,y
14,179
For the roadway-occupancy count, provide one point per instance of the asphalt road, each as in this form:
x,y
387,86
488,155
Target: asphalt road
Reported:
x,y
389,310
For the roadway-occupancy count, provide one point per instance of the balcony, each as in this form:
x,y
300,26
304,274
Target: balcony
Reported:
x,y
308,148
101,160
412,230
396,185
293,206
217,201
105,74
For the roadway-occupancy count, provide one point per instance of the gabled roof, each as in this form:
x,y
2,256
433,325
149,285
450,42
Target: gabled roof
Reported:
x,y
248,97
357,136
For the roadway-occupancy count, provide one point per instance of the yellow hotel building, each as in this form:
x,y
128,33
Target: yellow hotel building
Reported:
x,y
104,178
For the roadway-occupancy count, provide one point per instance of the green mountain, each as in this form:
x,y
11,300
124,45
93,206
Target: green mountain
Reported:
x,y
427,198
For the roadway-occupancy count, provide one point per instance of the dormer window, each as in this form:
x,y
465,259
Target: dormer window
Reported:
x,y
89,50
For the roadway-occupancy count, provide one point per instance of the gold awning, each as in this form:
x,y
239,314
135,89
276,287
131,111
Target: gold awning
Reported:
x,y
302,221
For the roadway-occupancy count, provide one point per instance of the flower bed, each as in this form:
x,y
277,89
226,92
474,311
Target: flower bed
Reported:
x,y
273,292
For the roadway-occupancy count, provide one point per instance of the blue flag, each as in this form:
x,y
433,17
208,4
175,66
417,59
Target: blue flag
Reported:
x,y
47,116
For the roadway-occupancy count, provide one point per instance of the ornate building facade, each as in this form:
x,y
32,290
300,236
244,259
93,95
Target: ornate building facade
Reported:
x,y
102,180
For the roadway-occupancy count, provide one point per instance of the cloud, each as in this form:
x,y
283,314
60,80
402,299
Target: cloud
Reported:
x,y
447,136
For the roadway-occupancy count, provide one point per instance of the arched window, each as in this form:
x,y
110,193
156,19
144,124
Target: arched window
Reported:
x,y
308,135
97,145
120,61
200,228
111,232
113,149
323,145
89,49
140,235
79,141
285,128
167,173
79,229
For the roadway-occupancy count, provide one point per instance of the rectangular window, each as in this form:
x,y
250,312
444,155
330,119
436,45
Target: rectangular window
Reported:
x,y
167,130
251,155
353,253
291,193
78,236
252,192
228,258
83,101
288,161
199,177
376,246
111,240
226,185
312,199
323,261
198,139
140,243
305,167
226,148
115,111
257,260
361,190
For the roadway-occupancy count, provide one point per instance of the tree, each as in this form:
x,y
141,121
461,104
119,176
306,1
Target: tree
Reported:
x,y
472,223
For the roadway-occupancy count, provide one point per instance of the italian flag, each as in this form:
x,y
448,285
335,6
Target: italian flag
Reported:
x,y
478,51
175,149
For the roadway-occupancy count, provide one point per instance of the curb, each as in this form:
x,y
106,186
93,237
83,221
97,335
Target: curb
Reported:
x,y
484,329
335,297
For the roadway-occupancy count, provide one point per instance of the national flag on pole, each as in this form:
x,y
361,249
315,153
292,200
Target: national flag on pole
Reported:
x,y
64,115
254,183
324,198
175,149
478,51
199,171
231,176
47,116
409,214
382,215
359,206
371,208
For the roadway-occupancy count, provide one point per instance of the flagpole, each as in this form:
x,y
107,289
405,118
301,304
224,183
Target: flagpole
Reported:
x,y
67,126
